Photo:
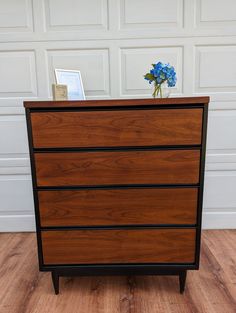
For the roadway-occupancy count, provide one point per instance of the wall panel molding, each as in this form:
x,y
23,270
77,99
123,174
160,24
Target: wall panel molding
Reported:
x,y
161,13
13,134
93,64
19,70
221,127
16,16
136,62
210,75
16,194
212,14
216,196
219,205
74,15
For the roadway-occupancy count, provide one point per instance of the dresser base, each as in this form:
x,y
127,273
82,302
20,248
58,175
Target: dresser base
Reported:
x,y
116,271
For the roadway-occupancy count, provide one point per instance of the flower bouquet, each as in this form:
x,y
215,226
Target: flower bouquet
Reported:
x,y
159,74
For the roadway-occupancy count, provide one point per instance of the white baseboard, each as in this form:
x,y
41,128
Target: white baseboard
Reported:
x,y
17,223
25,223
219,220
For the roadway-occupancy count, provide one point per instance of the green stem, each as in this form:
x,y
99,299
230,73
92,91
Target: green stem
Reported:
x,y
160,92
156,90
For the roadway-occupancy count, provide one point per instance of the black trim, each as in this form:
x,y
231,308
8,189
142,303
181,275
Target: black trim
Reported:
x,y
118,108
34,184
118,148
201,181
108,187
111,227
116,187
114,267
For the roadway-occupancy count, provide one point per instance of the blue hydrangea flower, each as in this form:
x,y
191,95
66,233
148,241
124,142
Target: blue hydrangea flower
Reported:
x,y
159,74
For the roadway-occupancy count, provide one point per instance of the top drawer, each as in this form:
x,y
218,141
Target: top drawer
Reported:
x,y
116,128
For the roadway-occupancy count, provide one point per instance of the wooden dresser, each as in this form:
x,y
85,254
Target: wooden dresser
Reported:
x,y
118,185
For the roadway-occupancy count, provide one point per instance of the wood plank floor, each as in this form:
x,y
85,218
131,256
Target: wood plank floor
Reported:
x,y
211,289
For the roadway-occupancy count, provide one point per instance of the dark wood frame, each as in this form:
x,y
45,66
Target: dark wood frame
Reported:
x,y
120,269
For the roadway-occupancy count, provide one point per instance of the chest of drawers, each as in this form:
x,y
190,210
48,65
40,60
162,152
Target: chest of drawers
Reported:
x,y
118,185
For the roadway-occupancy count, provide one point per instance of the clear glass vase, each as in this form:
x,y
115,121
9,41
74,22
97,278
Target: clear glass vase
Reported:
x,y
161,91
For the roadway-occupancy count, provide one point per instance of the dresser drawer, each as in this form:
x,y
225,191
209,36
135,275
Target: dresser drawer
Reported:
x,y
118,246
117,168
117,128
118,206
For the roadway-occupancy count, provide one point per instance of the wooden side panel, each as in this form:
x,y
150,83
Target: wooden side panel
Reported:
x,y
119,246
118,207
117,128
108,168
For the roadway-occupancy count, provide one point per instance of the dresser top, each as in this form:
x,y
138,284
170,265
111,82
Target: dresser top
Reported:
x,y
116,102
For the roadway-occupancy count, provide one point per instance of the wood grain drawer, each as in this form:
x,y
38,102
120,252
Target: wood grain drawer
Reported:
x,y
115,168
118,206
117,128
118,246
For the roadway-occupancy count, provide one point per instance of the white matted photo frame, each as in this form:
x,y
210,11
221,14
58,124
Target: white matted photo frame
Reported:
x,y
73,81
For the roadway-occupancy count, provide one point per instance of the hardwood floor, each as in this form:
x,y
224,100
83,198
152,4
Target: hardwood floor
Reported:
x,y
212,289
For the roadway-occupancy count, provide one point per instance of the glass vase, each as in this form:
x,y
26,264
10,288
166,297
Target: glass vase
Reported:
x,y
161,90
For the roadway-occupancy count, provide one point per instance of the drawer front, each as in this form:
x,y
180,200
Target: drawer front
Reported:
x,y
117,168
117,128
118,246
118,207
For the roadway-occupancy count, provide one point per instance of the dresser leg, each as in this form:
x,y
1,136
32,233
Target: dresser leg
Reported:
x,y
55,280
182,280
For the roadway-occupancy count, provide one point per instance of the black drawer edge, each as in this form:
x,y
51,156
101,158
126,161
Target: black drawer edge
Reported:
x,y
159,186
119,148
119,269
117,107
121,227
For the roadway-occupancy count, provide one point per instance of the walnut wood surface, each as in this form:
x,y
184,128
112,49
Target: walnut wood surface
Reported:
x,y
126,167
117,128
119,246
116,102
118,206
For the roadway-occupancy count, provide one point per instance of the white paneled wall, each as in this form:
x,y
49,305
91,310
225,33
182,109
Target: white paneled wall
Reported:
x,y
113,43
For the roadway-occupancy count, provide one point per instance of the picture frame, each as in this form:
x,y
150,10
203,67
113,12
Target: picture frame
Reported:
x,y
73,80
